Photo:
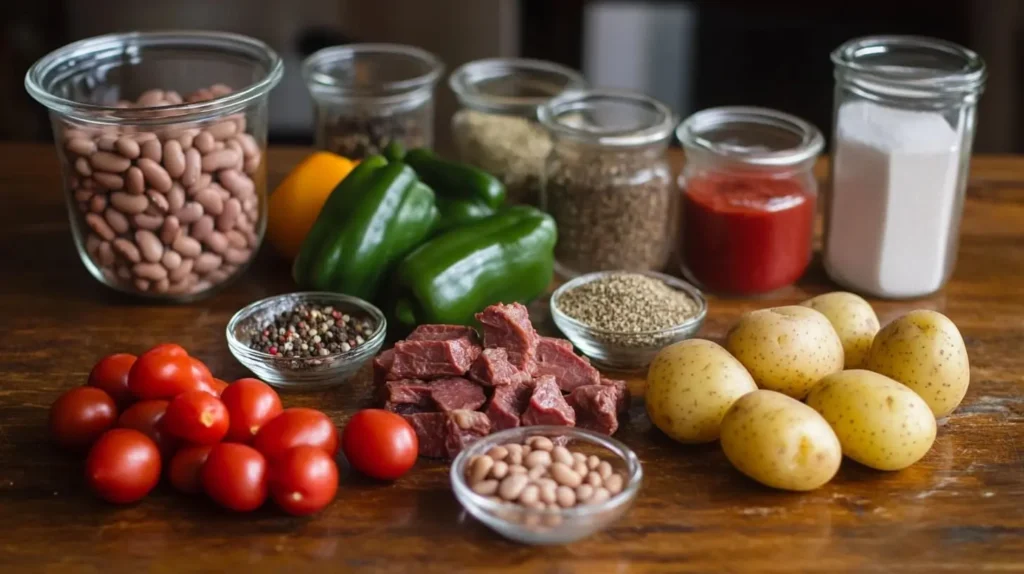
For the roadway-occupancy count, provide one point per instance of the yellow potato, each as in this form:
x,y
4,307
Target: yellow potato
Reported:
x,y
879,422
924,350
780,442
690,385
854,321
786,349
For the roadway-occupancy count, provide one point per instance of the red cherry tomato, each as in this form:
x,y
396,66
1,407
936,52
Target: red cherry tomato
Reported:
x,y
218,386
203,377
251,404
123,466
185,471
111,375
145,416
380,444
80,416
303,480
296,427
163,372
196,417
235,476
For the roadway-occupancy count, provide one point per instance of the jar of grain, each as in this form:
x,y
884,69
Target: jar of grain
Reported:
x,y
366,96
496,129
161,138
607,181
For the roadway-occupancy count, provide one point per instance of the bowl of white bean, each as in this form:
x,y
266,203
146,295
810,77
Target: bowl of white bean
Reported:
x,y
546,485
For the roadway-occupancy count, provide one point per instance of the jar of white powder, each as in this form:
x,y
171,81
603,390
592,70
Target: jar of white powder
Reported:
x,y
905,118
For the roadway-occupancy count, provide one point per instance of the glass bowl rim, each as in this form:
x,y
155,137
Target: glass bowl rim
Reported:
x,y
356,353
623,452
148,40
674,282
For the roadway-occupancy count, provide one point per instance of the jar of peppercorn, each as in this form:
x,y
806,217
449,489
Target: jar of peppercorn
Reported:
x,y
749,198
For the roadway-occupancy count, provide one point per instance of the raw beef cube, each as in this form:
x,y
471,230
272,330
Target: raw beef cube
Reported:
x,y
443,333
557,359
595,408
444,435
547,406
509,327
508,404
408,395
622,396
456,393
463,428
431,433
492,369
381,365
432,359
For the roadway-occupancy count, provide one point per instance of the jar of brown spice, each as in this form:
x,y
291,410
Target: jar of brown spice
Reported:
x,y
366,96
607,181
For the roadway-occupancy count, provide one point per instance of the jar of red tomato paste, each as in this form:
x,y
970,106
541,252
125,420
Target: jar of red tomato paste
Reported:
x,y
748,198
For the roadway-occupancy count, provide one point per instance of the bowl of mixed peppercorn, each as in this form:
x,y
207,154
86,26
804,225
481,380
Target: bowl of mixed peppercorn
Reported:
x,y
306,340
621,319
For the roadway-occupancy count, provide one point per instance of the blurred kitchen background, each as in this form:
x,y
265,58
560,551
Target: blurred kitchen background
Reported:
x,y
691,54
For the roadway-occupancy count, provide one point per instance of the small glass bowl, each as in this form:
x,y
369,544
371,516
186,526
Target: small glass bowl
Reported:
x,y
302,373
549,527
624,351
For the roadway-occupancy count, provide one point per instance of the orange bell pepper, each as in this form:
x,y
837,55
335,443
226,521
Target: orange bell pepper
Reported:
x,y
296,203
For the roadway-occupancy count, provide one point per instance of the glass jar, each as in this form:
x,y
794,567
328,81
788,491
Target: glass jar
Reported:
x,y
366,96
749,198
607,181
497,129
904,125
161,138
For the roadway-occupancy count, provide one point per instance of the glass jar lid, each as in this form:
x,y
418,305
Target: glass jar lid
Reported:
x,y
751,135
611,118
909,67
382,72
512,85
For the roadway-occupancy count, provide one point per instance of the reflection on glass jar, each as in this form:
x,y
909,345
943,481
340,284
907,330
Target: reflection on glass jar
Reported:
x,y
367,96
749,198
608,183
161,137
497,129
904,126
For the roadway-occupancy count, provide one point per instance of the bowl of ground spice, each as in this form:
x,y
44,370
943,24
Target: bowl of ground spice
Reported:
x,y
306,340
620,320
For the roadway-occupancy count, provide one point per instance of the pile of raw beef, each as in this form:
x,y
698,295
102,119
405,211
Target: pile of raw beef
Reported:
x,y
454,391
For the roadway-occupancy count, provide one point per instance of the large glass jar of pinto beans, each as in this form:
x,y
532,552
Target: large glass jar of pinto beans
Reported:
x,y
749,199
607,181
161,139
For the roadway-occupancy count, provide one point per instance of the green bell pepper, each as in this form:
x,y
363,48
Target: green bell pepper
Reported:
x,y
456,180
506,257
458,212
387,214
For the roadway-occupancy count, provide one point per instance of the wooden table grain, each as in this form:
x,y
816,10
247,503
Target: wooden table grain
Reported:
x,y
960,509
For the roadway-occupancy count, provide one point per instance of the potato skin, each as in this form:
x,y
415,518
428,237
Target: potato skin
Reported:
x,y
690,385
925,351
786,349
880,422
780,442
854,321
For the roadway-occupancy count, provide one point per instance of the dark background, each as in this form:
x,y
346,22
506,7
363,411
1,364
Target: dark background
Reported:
x,y
692,54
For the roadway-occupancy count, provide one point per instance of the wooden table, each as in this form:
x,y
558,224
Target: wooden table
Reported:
x,y
959,509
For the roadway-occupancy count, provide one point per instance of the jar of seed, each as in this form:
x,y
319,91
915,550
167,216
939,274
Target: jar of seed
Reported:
x,y
496,128
607,181
366,96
